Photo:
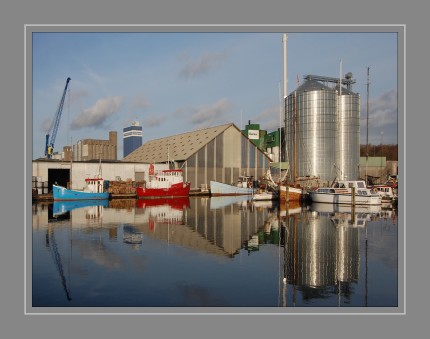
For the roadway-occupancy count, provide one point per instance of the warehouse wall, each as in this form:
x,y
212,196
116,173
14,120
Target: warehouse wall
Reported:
x,y
81,170
223,159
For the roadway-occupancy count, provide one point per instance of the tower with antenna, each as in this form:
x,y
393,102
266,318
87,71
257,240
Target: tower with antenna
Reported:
x,y
132,138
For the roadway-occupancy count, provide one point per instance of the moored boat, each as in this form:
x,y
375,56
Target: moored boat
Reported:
x,y
341,193
266,195
164,184
386,192
244,186
93,190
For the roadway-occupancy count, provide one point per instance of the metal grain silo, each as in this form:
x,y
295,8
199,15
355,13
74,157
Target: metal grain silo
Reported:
x,y
312,130
348,139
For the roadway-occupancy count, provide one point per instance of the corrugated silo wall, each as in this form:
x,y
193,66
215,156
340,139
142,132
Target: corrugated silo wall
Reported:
x,y
348,140
311,123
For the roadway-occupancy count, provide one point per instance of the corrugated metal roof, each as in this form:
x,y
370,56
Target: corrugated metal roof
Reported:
x,y
177,147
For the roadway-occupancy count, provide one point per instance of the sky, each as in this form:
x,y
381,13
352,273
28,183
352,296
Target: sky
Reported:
x,y
173,83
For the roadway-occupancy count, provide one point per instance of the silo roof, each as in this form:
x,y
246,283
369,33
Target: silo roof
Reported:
x,y
176,147
312,85
345,91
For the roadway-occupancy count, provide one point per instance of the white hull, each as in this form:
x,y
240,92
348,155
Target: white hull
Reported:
x,y
342,193
219,189
346,199
265,196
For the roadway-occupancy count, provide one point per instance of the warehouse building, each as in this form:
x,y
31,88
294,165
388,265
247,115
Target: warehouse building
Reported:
x,y
220,153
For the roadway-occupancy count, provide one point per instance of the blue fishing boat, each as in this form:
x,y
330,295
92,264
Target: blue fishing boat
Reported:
x,y
93,190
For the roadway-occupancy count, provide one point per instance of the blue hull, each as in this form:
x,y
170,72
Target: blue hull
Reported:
x,y
61,207
61,193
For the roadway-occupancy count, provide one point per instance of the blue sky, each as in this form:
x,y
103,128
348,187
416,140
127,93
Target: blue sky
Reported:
x,y
178,82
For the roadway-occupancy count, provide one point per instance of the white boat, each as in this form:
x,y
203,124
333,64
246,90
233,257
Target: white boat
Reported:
x,y
266,195
341,193
386,192
244,186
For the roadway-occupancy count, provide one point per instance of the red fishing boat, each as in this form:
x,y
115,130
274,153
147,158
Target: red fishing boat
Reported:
x,y
163,184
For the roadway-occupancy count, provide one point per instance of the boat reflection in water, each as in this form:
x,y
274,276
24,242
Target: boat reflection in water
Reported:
x,y
189,252
62,207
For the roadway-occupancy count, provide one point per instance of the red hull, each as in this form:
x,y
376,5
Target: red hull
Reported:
x,y
176,190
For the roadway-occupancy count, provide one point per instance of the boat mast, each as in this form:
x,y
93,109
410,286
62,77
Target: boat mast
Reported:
x,y
367,125
295,138
284,40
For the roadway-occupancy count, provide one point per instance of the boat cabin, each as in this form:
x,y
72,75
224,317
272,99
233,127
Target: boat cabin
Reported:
x,y
245,181
94,185
350,184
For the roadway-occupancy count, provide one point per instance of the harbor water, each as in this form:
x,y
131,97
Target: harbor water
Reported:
x,y
212,252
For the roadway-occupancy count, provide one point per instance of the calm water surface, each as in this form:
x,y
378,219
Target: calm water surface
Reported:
x,y
210,252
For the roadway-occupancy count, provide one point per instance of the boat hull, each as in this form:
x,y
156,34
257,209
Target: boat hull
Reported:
x,y
176,190
346,199
63,194
265,196
294,194
220,189
289,193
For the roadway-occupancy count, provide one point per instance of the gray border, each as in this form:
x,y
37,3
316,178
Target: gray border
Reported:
x,y
13,17
210,310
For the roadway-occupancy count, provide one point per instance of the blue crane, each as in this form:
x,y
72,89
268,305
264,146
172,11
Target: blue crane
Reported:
x,y
49,146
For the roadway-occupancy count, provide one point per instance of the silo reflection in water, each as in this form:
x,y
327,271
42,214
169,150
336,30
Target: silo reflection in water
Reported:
x,y
312,254
347,253
322,249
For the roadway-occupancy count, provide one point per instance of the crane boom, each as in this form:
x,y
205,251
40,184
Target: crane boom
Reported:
x,y
52,133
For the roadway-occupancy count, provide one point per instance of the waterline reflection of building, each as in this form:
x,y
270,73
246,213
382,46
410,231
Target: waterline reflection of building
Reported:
x,y
193,224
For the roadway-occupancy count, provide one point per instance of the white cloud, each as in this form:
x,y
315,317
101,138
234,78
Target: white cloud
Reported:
x,y
96,115
383,110
140,103
383,115
45,125
207,62
153,121
209,115
268,119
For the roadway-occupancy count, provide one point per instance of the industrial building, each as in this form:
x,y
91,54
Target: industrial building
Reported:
x,y
94,149
219,153
271,143
132,138
322,126
72,174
